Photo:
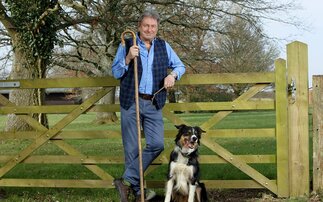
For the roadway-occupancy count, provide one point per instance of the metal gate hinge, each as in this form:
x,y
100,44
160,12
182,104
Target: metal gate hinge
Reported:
x,y
292,91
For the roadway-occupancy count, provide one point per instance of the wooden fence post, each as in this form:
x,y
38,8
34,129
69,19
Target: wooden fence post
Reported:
x,y
297,67
317,133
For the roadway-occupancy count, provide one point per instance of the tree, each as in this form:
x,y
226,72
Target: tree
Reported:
x,y
244,49
94,28
29,24
32,28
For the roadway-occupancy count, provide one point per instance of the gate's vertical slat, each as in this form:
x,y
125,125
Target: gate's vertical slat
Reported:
x,y
297,67
317,133
281,128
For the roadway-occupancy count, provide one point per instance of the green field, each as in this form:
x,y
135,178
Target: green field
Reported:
x,y
113,147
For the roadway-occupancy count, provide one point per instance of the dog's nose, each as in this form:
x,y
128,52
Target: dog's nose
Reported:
x,y
194,138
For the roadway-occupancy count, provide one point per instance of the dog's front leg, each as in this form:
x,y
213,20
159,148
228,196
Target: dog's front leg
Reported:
x,y
191,193
169,189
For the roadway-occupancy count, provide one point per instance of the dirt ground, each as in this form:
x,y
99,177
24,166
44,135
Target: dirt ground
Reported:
x,y
239,195
250,195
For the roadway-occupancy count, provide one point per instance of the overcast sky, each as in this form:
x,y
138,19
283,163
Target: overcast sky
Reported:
x,y
311,14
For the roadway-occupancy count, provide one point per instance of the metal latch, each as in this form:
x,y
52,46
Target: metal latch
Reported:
x,y
11,84
292,91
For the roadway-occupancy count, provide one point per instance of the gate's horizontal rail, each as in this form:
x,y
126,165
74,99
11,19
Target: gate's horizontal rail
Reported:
x,y
56,183
225,184
200,106
188,79
106,134
93,160
216,184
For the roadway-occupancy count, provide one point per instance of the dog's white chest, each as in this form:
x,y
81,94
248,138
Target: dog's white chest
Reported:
x,y
181,173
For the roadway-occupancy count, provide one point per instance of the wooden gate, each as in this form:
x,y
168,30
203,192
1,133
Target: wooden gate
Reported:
x,y
288,81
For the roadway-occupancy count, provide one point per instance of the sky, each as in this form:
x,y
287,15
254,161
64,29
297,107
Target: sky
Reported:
x,y
311,14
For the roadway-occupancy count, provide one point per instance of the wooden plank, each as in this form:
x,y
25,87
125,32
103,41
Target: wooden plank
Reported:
x,y
105,134
317,133
297,66
246,158
162,159
67,159
241,133
55,109
187,79
218,184
203,106
95,134
227,78
71,82
236,105
240,164
22,155
281,128
56,183
225,184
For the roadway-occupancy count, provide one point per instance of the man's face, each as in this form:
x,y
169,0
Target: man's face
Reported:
x,y
148,29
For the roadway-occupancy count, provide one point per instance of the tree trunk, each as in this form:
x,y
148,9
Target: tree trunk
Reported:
x,y
23,68
107,117
105,61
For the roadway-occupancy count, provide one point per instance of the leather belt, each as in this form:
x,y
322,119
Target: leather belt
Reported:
x,y
145,96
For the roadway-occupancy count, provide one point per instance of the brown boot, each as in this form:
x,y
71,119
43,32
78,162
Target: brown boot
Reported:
x,y
123,189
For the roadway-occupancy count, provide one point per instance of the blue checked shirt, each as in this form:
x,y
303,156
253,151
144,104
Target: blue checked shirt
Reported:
x,y
119,66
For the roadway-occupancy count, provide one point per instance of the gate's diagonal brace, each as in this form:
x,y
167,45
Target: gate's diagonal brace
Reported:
x,y
93,168
240,164
229,157
37,126
222,114
173,118
47,135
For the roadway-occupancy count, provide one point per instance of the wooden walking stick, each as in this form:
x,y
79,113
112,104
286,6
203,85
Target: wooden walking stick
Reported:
x,y
137,111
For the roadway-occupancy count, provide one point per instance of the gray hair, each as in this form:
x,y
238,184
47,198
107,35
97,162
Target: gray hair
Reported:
x,y
149,13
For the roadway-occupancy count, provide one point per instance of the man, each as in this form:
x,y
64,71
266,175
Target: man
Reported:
x,y
155,57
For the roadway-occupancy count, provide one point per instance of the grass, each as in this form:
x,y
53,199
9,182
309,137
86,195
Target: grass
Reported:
x,y
113,147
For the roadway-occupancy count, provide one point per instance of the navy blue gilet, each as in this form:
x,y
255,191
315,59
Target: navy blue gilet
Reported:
x,y
160,65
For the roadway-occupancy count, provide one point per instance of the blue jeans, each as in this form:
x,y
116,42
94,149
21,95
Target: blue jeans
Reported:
x,y
151,121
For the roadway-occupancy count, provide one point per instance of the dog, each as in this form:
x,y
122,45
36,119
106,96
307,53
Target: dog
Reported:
x,y
183,183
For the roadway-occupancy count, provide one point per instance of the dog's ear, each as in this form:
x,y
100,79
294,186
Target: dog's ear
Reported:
x,y
200,130
180,126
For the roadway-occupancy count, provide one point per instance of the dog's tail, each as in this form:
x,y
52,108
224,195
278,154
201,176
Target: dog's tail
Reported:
x,y
204,197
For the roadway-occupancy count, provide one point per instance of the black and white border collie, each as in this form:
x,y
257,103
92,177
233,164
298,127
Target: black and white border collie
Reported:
x,y
183,170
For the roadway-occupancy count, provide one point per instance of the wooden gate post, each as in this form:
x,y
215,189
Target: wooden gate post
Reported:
x,y
282,129
297,68
317,133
